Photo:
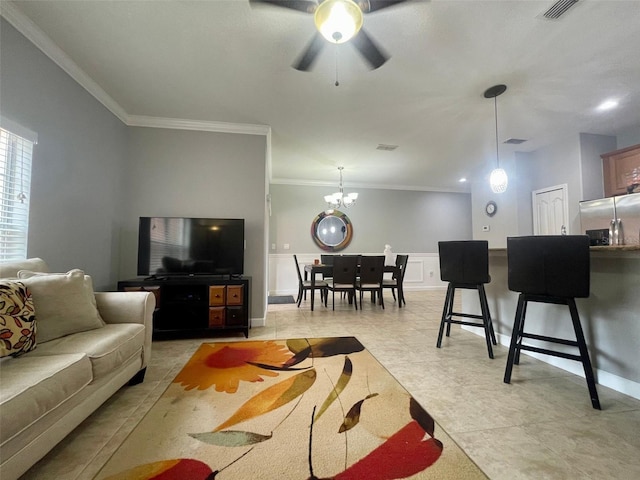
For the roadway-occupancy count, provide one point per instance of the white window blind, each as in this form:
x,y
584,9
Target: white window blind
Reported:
x,y
15,189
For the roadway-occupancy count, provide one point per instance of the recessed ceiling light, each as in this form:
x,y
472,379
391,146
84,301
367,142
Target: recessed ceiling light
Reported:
x,y
608,105
462,180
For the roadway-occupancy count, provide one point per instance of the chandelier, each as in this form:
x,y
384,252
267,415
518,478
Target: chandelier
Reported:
x,y
338,199
498,179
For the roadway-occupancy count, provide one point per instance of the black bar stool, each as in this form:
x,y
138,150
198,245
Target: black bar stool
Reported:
x,y
465,264
550,269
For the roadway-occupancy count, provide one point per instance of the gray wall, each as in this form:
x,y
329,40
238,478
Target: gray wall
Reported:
x,y
93,176
198,174
78,165
575,161
629,137
591,147
556,165
409,221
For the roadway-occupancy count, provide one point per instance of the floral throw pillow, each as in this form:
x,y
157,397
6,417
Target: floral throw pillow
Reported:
x,y
17,319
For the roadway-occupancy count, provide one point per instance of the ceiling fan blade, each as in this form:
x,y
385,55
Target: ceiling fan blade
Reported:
x,y
306,6
369,50
368,6
310,55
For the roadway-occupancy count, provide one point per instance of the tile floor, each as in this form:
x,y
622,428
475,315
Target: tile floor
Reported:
x,y
541,426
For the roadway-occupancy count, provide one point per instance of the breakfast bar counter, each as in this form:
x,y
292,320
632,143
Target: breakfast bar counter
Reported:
x,y
610,316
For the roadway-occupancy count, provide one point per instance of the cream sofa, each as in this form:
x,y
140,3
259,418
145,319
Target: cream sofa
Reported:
x,y
48,391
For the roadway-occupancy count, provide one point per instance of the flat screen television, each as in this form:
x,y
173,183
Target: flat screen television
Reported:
x,y
190,246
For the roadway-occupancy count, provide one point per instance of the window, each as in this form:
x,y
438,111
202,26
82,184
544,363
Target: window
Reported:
x,y
15,182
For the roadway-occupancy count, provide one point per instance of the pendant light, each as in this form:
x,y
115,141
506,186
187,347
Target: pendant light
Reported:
x,y
498,178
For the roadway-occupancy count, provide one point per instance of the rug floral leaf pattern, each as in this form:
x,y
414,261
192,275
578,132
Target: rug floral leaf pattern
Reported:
x,y
307,409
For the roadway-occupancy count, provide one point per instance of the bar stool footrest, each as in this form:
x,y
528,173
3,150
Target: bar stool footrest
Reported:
x,y
544,338
553,353
464,322
466,315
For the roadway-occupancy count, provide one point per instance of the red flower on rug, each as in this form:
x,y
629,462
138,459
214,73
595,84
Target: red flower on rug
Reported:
x,y
226,365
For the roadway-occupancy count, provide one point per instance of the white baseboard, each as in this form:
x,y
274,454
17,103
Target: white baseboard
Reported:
x,y
606,379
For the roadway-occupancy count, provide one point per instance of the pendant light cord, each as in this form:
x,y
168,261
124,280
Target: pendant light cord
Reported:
x,y
337,84
495,105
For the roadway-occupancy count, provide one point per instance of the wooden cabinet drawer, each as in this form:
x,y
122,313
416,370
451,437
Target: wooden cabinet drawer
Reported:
x,y
235,295
235,316
217,295
216,317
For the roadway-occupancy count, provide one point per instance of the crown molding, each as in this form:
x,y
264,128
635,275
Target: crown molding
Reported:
x,y
355,186
41,40
36,36
200,125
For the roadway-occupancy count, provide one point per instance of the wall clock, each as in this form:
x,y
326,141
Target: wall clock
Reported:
x,y
491,208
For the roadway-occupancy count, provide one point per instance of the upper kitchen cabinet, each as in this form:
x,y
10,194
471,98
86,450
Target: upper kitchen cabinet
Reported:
x,y
621,171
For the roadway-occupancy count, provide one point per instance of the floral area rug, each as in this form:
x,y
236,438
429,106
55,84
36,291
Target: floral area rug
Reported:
x,y
309,408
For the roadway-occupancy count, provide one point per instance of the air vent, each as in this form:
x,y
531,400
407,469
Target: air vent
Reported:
x,y
514,141
385,147
559,8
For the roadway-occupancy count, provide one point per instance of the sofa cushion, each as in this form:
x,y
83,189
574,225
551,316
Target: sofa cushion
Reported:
x,y
33,386
88,285
10,268
17,319
107,348
62,304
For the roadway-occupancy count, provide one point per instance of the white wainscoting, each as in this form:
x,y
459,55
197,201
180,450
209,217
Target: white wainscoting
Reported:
x,y
423,272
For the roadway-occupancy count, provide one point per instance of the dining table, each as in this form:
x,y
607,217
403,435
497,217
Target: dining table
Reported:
x,y
311,270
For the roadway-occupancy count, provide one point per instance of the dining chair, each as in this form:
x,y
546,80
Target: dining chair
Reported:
x,y
465,265
344,277
371,273
552,269
326,260
304,285
397,279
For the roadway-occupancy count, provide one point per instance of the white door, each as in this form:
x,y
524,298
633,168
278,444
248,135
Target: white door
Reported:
x,y
551,211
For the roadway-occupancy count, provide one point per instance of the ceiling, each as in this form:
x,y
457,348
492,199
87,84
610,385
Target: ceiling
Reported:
x,y
228,61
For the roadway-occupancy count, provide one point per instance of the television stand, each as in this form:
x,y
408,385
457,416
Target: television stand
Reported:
x,y
196,305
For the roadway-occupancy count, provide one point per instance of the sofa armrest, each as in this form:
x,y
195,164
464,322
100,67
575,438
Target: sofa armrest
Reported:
x,y
129,307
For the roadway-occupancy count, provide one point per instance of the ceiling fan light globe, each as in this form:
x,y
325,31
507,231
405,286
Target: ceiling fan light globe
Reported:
x,y
338,20
498,180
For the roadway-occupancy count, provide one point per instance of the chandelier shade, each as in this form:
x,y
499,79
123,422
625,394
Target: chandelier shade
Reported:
x,y
338,20
498,180
339,198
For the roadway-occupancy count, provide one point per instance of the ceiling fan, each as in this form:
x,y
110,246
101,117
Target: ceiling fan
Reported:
x,y
337,21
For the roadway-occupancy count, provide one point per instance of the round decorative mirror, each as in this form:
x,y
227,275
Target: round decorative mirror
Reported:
x,y
332,230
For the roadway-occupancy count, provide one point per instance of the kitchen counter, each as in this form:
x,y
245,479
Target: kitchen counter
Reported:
x,y
616,248
609,251
599,248
610,316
